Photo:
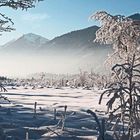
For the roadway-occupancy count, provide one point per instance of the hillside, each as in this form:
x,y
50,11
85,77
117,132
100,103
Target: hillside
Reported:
x,y
25,44
64,54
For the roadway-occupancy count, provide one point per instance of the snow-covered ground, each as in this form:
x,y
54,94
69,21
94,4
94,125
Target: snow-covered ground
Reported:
x,y
75,99
17,116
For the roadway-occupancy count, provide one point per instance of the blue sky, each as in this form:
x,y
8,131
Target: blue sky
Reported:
x,y
52,18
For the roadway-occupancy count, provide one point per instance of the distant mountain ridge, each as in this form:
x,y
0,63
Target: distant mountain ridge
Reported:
x,y
135,16
75,42
71,51
26,43
81,41
35,38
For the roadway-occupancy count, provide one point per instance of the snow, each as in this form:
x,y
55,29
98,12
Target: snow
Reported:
x,y
75,99
17,117
33,38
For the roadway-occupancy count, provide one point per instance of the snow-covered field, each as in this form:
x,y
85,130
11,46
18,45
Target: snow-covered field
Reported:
x,y
17,116
75,99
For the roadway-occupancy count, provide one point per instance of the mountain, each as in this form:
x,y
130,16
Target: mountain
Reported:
x,y
76,42
64,54
135,16
79,46
80,42
25,44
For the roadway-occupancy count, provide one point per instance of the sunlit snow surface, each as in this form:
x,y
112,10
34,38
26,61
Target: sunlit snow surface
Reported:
x,y
75,99
79,124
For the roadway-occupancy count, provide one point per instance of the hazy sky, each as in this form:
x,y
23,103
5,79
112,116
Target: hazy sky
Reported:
x,y
55,17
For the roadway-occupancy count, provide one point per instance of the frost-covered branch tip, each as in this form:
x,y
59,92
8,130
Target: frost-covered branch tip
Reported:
x,y
5,22
15,4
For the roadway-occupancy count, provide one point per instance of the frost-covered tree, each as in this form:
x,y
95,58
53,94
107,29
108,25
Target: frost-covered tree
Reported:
x,y
126,92
6,23
122,33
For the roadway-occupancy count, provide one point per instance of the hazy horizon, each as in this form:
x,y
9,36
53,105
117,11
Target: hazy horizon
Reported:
x,y
52,18
22,66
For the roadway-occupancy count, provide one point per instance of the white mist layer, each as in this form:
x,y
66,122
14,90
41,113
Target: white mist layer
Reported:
x,y
23,65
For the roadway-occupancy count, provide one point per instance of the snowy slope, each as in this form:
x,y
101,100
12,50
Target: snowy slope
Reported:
x,y
25,44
